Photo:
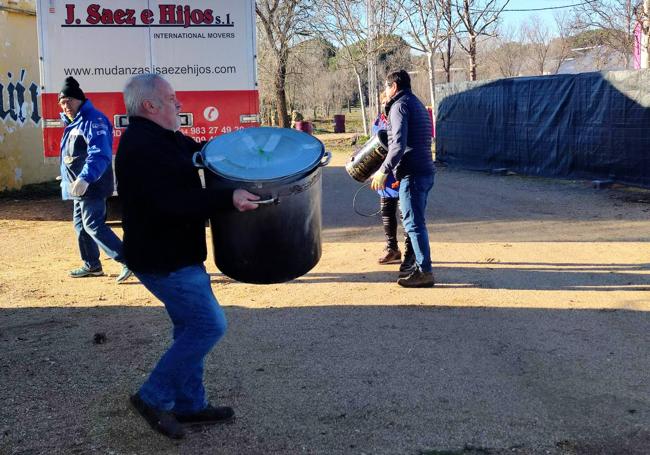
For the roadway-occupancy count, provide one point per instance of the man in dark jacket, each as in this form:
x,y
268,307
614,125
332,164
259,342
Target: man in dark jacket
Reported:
x,y
410,161
87,178
163,216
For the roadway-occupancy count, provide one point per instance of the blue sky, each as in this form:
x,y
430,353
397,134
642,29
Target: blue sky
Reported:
x,y
514,18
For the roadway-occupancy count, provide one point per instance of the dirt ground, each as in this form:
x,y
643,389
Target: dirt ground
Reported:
x,y
535,339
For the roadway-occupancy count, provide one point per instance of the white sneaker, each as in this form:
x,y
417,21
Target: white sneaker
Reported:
x,y
124,275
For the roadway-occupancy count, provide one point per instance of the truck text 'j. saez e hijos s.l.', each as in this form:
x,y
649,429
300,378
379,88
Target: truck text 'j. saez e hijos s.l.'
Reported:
x,y
205,49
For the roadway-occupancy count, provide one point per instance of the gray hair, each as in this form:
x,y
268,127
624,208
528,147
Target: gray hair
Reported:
x,y
139,88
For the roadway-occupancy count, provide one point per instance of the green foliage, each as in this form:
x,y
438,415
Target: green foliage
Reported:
x,y
389,45
327,48
393,45
590,38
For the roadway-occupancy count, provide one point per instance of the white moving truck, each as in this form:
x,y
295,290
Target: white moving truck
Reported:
x,y
205,49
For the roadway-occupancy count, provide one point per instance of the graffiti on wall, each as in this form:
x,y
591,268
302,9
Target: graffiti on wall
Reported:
x,y
19,102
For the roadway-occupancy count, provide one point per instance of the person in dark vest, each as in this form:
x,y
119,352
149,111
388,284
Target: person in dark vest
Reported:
x,y
87,179
410,161
164,211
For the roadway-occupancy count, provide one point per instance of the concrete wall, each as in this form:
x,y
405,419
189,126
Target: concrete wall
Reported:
x,y
21,142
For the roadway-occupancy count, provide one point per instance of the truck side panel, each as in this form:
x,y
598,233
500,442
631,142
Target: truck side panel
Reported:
x,y
205,49
213,113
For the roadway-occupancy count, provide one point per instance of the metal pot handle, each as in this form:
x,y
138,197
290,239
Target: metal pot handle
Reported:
x,y
271,201
327,157
198,163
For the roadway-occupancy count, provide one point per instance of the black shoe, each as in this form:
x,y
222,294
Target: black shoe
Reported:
x,y
417,279
208,416
162,421
407,266
408,263
406,271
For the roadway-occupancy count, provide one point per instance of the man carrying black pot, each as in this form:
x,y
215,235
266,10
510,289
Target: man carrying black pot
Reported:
x,y
163,217
410,161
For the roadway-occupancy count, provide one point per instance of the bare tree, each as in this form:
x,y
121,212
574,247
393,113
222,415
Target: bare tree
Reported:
x,y
560,46
642,13
383,20
345,22
282,22
429,25
309,76
547,52
449,45
265,80
479,17
536,34
342,84
506,55
614,18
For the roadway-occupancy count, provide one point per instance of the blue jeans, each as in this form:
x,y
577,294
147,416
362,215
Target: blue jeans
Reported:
x,y
89,219
176,383
413,192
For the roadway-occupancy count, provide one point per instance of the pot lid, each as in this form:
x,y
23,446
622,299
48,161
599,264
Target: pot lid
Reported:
x,y
254,154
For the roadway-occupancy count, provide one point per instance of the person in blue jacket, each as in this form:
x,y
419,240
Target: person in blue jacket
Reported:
x,y
87,179
410,161
388,201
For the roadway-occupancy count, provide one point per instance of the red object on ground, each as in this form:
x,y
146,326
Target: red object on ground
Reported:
x,y
305,127
339,123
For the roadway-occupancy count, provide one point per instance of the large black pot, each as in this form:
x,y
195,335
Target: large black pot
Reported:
x,y
281,239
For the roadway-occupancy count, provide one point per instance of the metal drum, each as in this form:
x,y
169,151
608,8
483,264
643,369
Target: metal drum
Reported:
x,y
366,161
281,239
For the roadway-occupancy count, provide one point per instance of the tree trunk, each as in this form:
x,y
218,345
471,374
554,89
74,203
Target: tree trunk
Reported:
x,y
281,107
472,58
448,67
431,65
363,103
281,96
373,94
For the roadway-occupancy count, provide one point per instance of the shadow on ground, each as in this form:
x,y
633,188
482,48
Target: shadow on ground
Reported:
x,y
338,380
501,275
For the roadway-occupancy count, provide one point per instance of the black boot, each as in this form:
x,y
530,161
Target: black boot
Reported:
x,y
408,264
417,279
389,220
162,421
208,416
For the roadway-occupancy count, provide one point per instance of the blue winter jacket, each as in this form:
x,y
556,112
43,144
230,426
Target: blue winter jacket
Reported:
x,y
87,152
409,137
391,188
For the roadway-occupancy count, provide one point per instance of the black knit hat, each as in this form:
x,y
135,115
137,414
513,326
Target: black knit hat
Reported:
x,y
71,89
